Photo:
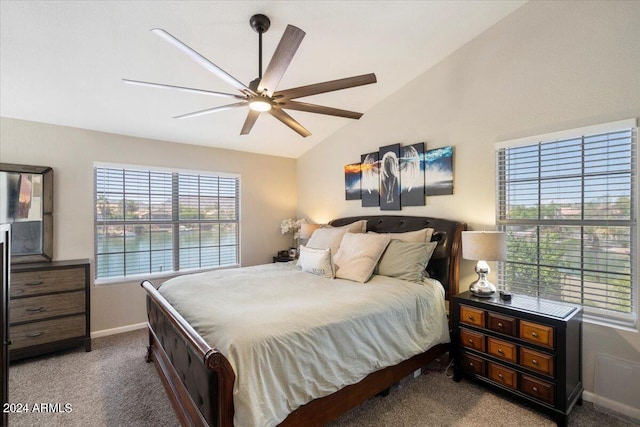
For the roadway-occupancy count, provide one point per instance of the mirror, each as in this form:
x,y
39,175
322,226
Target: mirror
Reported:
x,y
26,202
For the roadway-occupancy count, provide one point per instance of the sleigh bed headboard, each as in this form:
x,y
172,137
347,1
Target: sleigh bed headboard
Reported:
x,y
445,262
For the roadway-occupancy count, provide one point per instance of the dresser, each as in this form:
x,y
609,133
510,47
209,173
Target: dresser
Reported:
x,y
49,307
528,348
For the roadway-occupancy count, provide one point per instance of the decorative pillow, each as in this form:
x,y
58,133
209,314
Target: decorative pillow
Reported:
x,y
326,238
316,261
405,260
418,236
358,255
354,227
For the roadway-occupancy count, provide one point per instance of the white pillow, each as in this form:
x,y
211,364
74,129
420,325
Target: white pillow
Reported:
x,y
354,227
419,236
316,261
326,238
358,255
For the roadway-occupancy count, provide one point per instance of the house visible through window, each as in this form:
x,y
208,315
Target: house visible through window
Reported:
x,y
568,204
157,221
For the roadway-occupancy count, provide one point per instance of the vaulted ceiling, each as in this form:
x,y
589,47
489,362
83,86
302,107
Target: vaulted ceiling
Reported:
x,y
62,62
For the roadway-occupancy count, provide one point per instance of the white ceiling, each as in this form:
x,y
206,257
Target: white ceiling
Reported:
x,y
62,62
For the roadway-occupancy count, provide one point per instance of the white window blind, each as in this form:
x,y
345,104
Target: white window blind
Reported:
x,y
568,207
160,221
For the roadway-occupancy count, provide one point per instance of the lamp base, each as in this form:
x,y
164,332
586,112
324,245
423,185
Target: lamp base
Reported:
x,y
482,287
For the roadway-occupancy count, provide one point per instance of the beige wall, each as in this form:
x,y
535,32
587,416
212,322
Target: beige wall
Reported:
x,y
547,67
268,188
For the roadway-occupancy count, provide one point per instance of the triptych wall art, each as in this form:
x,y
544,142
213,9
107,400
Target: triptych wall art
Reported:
x,y
396,176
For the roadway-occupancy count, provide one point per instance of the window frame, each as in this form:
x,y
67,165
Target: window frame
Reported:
x,y
592,314
175,222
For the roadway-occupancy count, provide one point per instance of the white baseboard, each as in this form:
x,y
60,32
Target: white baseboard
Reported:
x,y
121,329
625,412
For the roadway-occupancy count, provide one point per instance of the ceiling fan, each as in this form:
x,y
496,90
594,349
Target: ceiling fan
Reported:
x,y
262,95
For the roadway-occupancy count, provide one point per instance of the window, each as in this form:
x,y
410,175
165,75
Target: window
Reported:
x,y
568,206
159,221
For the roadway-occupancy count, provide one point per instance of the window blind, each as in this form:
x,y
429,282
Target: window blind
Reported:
x,y
149,222
568,207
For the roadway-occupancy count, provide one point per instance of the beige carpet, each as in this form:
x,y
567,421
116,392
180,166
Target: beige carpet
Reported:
x,y
113,386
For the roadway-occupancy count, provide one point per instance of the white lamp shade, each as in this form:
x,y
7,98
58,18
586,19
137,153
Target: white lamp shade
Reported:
x,y
306,230
484,245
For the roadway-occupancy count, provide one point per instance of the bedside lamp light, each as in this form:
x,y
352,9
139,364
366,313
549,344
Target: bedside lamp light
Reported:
x,y
483,246
306,230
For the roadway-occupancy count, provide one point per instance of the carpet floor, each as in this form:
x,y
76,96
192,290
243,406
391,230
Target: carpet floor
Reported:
x,y
113,386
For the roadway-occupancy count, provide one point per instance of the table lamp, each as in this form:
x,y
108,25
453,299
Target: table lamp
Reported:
x,y
483,246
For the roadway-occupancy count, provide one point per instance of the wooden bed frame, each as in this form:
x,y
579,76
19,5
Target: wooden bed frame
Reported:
x,y
199,379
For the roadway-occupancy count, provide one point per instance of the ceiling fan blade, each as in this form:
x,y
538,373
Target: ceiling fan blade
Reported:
x,y
289,121
329,86
249,122
202,60
211,110
281,59
319,109
181,88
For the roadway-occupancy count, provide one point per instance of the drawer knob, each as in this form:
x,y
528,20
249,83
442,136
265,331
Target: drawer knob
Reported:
x,y
535,389
34,334
534,334
34,283
534,361
499,324
35,310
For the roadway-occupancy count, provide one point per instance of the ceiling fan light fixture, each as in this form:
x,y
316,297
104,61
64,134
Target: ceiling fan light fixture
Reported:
x,y
260,103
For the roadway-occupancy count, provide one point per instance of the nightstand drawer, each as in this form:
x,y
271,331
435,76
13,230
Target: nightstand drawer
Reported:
x,y
502,349
537,361
503,375
472,316
538,389
473,364
471,339
504,325
536,333
29,283
45,306
35,333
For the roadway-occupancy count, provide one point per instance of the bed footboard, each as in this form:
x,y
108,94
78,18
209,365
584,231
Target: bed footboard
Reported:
x,y
198,379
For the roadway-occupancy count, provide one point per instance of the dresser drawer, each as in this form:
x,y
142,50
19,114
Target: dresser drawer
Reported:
x,y
503,375
29,283
502,349
473,364
539,389
46,331
504,325
537,361
536,333
45,306
471,339
472,316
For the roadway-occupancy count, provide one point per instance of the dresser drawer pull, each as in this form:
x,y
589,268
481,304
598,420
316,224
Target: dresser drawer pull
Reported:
x,y
534,334
35,334
36,310
40,282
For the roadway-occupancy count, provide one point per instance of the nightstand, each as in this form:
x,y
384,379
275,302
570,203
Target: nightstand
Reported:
x,y
529,348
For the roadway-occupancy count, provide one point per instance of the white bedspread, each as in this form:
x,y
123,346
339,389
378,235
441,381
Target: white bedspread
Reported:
x,y
292,337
